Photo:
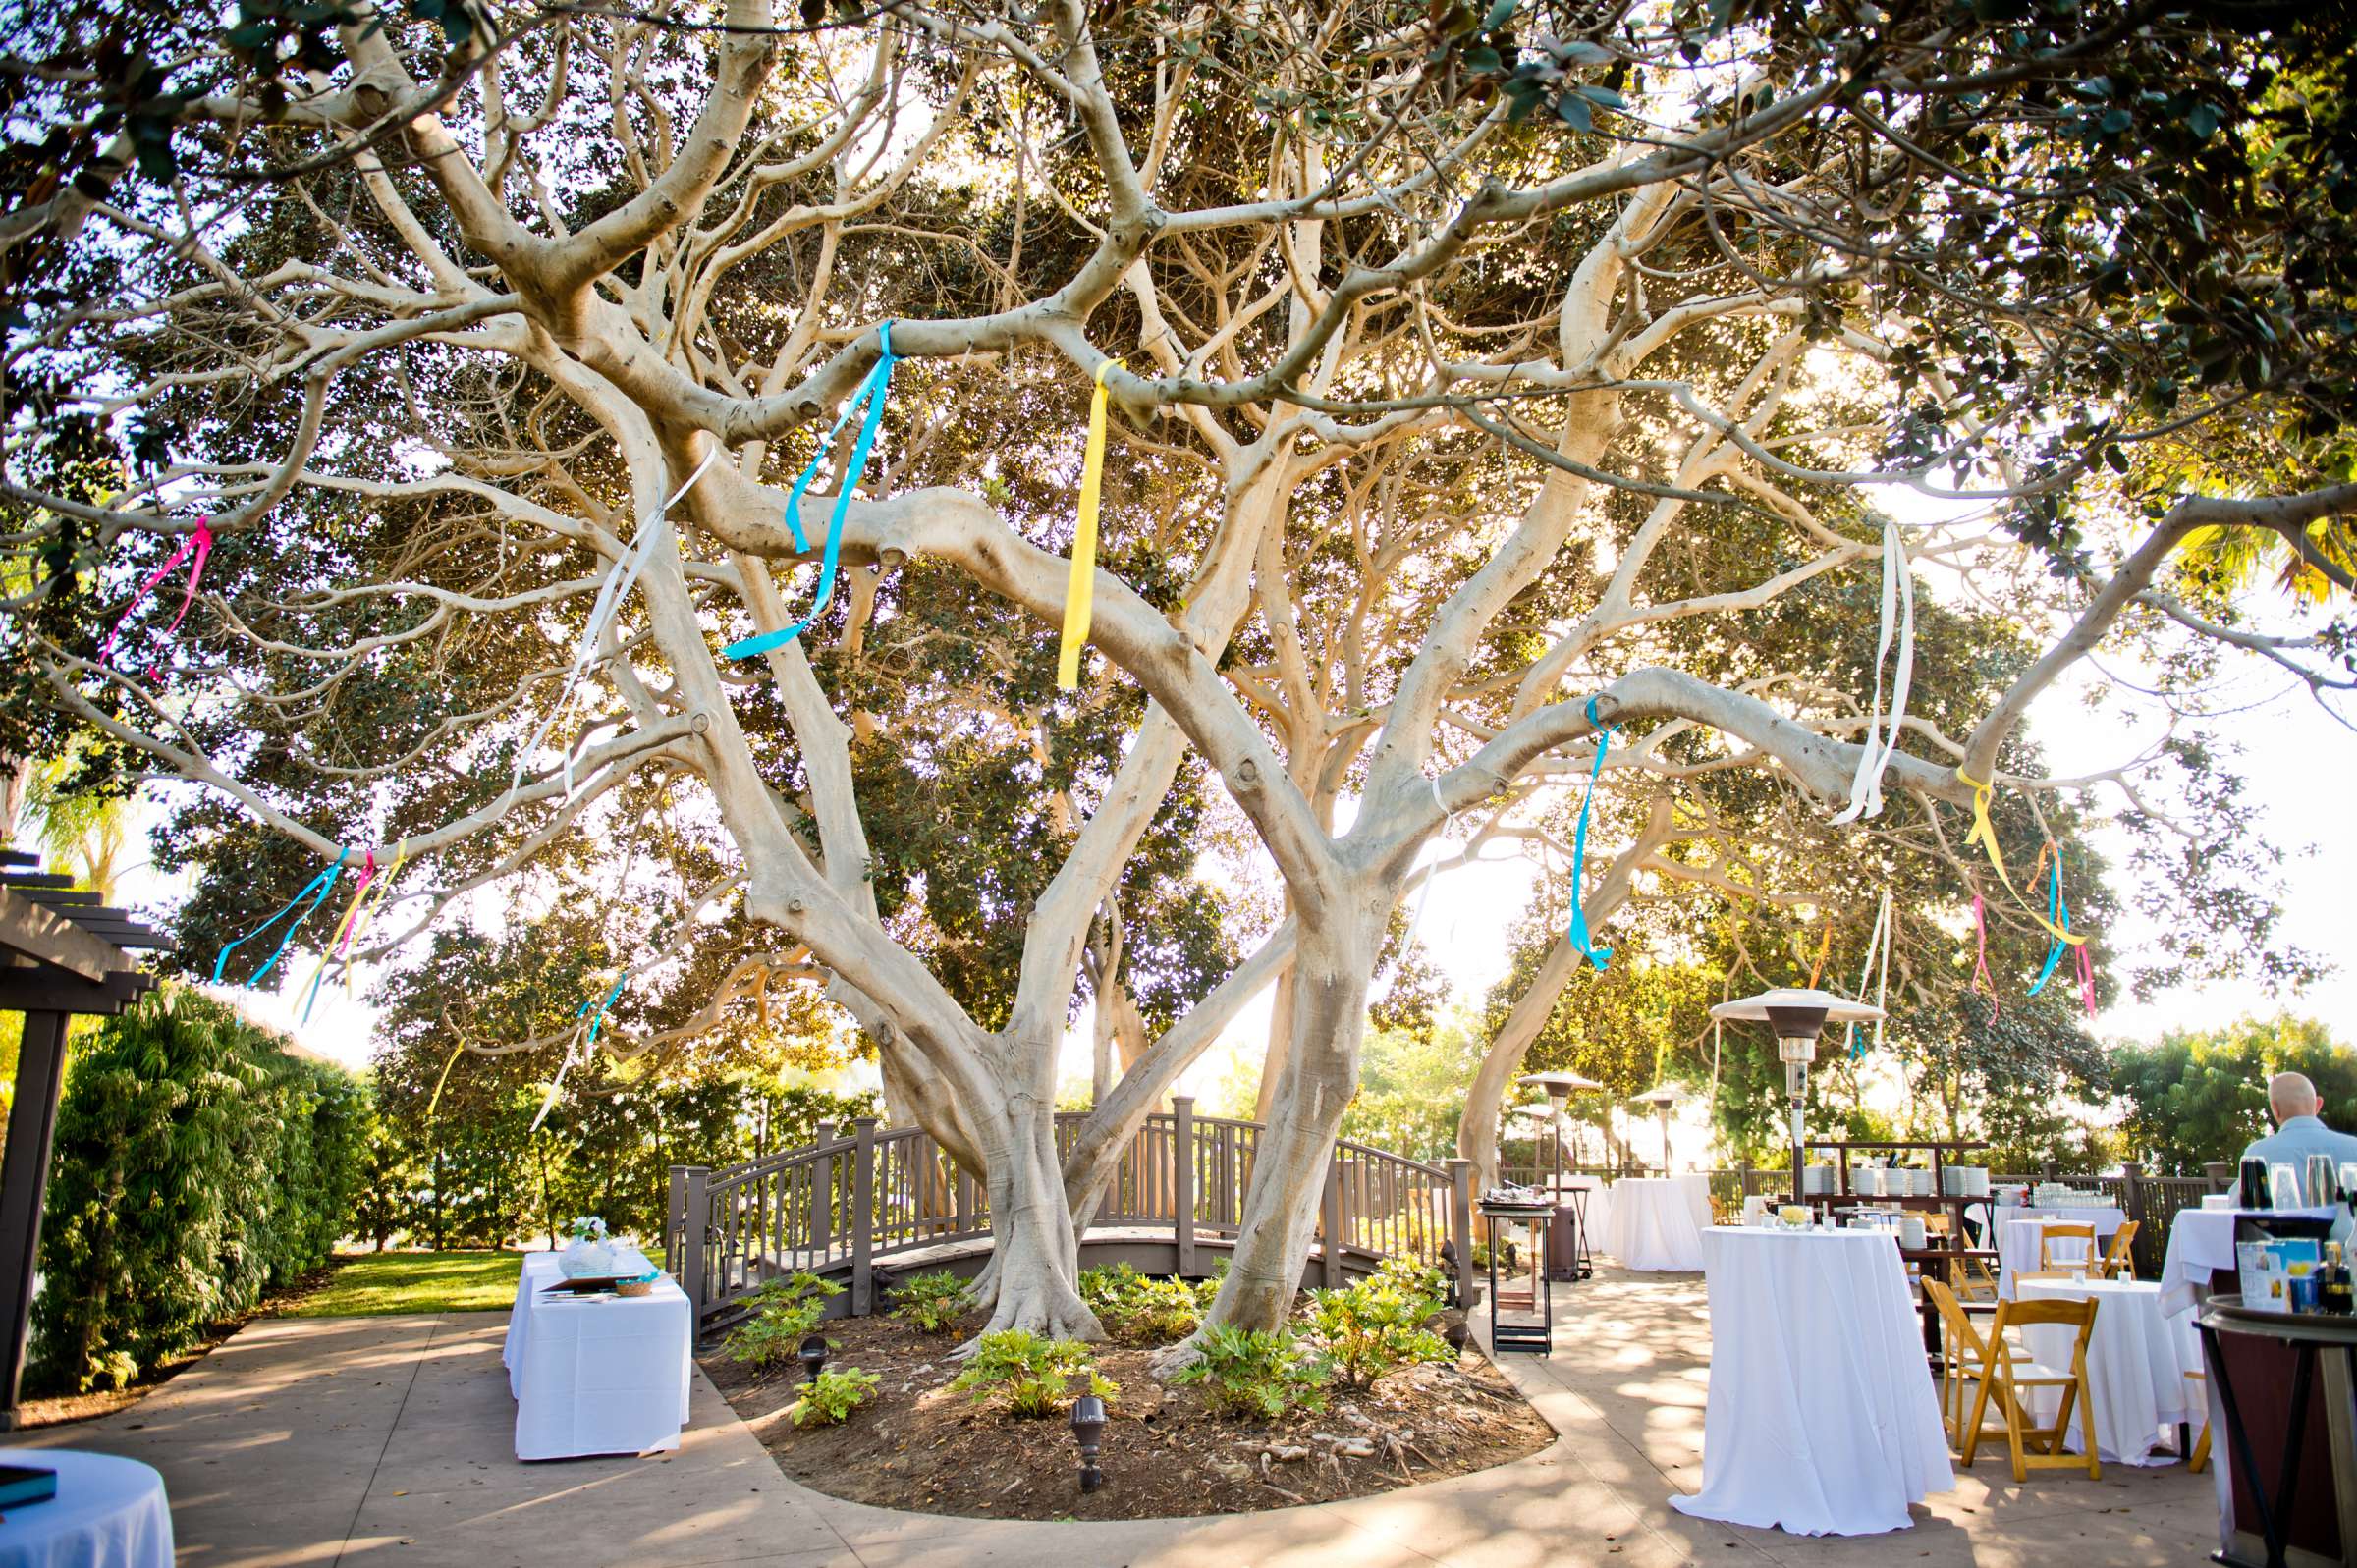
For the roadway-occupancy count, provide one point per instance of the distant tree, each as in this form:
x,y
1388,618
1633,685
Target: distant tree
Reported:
x,y
2195,1096
1410,1086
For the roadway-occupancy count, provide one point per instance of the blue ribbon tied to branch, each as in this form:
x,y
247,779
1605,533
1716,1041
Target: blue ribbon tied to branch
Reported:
x,y
1581,938
870,397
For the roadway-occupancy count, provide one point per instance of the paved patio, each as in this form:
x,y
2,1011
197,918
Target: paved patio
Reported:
x,y
385,1441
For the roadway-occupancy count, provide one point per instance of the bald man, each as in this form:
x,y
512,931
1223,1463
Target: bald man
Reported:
x,y
2298,1133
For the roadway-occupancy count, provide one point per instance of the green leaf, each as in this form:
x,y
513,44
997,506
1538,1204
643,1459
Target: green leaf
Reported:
x,y
2115,121
1499,15
1573,111
2203,122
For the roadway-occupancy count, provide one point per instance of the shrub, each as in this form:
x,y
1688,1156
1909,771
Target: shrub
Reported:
x,y
784,1312
196,1165
831,1397
1144,1309
932,1301
1379,1323
1257,1373
1034,1376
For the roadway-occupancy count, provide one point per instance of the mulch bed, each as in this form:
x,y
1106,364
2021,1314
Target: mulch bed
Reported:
x,y
920,1445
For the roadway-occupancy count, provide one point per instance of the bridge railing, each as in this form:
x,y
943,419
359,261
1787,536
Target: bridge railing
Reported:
x,y
839,1206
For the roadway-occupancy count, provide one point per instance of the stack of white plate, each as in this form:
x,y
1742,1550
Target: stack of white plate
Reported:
x,y
1867,1181
1816,1179
1965,1181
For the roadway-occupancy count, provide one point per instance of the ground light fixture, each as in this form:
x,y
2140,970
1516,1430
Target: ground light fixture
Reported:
x,y
813,1354
1660,1099
1797,1014
1088,1430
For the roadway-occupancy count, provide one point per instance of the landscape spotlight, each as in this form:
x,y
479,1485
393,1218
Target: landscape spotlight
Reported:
x,y
1088,1430
813,1354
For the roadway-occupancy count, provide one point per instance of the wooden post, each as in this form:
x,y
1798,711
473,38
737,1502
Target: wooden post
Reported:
x,y
863,1219
696,1221
23,1183
1460,1226
2220,1173
1745,1169
675,1219
2132,1200
1182,1181
1331,1222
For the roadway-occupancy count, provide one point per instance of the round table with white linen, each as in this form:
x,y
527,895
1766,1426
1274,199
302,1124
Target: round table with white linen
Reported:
x,y
1655,1222
2137,1359
108,1513
1822,1418
2019,1231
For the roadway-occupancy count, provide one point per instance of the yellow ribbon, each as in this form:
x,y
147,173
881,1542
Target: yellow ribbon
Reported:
x,y
1080,591
1984,832
363,914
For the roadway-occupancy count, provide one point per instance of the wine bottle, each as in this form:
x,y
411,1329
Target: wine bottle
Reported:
x,y
2337,1293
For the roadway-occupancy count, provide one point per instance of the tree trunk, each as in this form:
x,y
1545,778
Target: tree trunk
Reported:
x,y
1034,1279
1329,981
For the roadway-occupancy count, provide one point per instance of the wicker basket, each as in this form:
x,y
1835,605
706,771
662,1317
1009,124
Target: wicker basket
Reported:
x,y
635,1288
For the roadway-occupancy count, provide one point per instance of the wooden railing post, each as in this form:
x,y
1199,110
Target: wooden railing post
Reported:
x,y
864,1218
1745,1169
675,1215
1460,1226
1333,1221
1182,1181
695,1225
2220,1173
2132,1201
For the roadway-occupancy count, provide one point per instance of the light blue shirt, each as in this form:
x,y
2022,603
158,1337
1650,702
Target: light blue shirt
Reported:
x,y
2299,1137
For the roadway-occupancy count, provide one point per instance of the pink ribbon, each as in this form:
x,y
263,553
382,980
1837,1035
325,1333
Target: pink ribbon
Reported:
x,y
1980,968
202,543
2087,981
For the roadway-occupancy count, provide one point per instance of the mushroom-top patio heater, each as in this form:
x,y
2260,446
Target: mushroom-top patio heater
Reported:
x,y
1559,1088
1660,1097
1798,1014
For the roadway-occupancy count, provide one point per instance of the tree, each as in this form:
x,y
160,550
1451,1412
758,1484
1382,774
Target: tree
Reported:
x,y
1450,434
2195,1096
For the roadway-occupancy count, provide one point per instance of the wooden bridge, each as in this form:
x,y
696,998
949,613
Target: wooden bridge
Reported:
x,y
873,1202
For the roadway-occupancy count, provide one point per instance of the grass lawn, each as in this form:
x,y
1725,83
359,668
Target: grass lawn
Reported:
x,y
377,1283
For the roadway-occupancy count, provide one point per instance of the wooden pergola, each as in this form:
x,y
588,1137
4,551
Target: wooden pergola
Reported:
x,y
61,953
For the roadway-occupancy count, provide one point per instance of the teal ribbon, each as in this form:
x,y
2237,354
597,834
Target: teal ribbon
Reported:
x,y
316,890
1581,936
600,1017
871,395
2057,915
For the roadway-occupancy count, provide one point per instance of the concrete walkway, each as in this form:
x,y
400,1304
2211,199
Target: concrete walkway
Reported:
x,y
386,1440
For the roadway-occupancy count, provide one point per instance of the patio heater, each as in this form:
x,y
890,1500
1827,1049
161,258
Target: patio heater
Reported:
x,y
1559,1088
1660,1097
1797,1014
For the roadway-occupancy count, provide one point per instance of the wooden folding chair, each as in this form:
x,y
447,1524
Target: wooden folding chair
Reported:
x,y
2008,1376
2065,1230
2117,1263
1961,1351
2199,1460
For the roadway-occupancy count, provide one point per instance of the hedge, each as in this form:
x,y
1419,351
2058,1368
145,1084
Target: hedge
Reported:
x,y
198,1164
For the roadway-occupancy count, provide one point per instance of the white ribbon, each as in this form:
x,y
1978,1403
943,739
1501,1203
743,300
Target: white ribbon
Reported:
x,y
619,580
556,1087
1877,947
1899,593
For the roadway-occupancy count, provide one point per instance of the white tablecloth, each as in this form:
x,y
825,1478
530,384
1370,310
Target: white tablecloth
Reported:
x,y
2018,1231
1822,1417
1655,1222
108,1513
2199,1240
2137,1359
1596,1209
596,1377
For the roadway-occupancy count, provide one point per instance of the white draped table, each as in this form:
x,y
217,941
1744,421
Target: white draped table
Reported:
x,y
2199,1241
2019,1231
2137,1359
108,1513
1655,1222
1822,1418
598,1376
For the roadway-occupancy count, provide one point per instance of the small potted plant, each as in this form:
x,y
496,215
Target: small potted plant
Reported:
x,y
590,1254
